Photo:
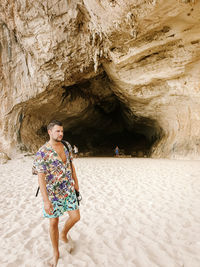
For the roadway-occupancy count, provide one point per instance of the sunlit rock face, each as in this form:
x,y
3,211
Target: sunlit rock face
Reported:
x,y
121,73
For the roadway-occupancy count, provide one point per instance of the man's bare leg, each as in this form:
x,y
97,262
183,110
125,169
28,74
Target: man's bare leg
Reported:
x,y
54,234
74,217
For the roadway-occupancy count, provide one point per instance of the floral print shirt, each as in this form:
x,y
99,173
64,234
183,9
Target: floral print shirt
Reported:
x,y
58,176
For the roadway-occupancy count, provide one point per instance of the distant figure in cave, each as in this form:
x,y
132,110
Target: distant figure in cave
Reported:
x,y
75,148
117,151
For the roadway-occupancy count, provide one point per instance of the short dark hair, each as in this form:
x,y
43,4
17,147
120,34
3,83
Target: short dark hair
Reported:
x,y
53,123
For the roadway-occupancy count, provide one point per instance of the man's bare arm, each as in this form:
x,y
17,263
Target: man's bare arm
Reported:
x,y
75,178
47,203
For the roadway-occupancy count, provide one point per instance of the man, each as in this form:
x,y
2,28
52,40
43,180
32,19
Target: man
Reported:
x,y
75,151
117,151
57,181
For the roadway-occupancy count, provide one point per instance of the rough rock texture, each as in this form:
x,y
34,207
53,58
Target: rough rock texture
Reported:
x,y
3,158
104,68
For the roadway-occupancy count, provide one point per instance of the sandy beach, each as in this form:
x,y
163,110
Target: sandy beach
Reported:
x,y
135,212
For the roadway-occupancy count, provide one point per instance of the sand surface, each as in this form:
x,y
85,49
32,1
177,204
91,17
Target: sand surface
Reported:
x,y
134,212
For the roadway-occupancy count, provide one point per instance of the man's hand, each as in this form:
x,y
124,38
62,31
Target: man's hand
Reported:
x,y
48,207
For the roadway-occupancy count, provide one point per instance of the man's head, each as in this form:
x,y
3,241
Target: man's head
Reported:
x,y
55,130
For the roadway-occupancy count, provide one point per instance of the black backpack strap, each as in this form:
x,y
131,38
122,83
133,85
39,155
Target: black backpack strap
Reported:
x,y
38,189
68,149
78,195
65,144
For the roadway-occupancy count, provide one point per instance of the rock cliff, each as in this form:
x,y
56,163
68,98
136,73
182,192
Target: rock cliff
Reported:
x,y
115,72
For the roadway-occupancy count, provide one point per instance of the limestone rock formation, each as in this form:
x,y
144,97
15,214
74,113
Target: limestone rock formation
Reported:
x,y
121,71
3,158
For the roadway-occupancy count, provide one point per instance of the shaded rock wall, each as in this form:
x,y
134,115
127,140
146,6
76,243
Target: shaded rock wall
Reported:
x,y
81,61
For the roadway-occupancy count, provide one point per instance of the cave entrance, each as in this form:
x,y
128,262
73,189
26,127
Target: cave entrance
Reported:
x,y
94,118
107,123
92,142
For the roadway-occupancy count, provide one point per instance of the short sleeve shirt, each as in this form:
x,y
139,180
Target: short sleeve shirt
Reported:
x,y
58,176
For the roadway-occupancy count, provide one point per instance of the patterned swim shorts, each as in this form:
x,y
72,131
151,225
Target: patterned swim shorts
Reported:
x,y
62,205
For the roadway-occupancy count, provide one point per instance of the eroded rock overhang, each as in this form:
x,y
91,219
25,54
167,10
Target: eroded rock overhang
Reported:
x,y
136,71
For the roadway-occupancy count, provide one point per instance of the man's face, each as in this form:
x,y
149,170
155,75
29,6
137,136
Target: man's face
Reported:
x,y
56,133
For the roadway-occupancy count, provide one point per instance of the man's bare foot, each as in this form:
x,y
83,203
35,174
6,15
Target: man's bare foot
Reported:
x,y
68,241
54,261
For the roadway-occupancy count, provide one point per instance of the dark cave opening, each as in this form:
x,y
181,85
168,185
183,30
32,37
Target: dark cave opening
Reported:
x,y
107,122
109,127
99,122
101,144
